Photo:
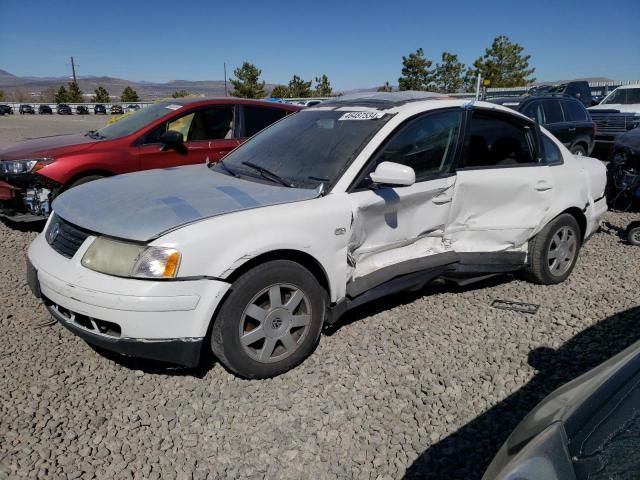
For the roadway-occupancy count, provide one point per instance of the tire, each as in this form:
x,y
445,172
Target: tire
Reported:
x,y
633,235
578,150
543,267
253,306
83,180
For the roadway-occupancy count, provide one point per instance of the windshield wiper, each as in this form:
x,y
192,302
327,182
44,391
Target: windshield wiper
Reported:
x,y
225,167
274,177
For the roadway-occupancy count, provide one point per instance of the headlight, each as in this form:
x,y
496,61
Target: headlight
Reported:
x,y
30,165
124,259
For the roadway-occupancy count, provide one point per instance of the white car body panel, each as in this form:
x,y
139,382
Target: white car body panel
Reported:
x,y
348,235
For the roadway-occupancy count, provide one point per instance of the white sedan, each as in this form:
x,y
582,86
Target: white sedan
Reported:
x,y
329,208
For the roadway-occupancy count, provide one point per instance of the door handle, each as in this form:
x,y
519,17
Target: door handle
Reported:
x,y
543,186
573,129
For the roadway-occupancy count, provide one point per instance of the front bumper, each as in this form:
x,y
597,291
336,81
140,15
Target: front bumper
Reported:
x,y
160,320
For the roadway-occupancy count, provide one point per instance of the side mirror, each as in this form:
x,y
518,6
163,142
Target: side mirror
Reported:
x,y
393,174
174,140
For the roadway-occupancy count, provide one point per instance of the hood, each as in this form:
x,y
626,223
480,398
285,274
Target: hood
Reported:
x,y
143,206
629,140
617,107
45,146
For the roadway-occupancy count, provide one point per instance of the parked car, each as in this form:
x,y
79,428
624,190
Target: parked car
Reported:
x,y
623,170
163,135
133,108
578,89
82,110
26,109
618,113
6,110
63,109
45,110
99,108
116,110
588,428
563,116
325,210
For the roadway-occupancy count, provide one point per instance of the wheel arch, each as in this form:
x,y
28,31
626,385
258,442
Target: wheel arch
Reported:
x,y
580,217
86,173
305,259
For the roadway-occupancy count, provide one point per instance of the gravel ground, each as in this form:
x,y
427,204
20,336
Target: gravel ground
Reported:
x,y
426,385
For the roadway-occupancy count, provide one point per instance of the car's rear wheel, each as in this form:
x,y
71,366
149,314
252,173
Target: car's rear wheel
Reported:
x,y
554,251
579,150
633,234
270,321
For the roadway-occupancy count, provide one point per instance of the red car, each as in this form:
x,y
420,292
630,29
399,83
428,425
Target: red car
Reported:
x,y
167,134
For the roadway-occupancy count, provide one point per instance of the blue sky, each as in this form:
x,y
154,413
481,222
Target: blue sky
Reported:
x,y
357,44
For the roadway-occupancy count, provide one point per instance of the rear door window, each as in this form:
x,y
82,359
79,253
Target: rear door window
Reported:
x,y
259,118
552,111
534,111
495,141
574,111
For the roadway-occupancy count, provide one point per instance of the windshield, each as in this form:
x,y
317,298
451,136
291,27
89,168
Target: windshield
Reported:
x,y
136,121
304,150
623,96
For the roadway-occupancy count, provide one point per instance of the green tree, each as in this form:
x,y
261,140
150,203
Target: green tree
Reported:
x,y
62,96
323,86
385,88
129,95
246,83
448,77
280,91
504,64
101,95
298,88
416,72
74,94
180,94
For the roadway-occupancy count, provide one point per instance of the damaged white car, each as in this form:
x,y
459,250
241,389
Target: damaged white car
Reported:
x,y
327,209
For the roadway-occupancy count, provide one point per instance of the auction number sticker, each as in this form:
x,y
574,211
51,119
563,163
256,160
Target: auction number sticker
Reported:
x,y
173,106
361,116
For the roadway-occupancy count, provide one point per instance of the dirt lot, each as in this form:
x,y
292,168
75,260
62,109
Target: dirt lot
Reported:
x,y
20,127
424,385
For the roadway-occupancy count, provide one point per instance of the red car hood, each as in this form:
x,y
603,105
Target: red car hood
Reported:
x,y
46,146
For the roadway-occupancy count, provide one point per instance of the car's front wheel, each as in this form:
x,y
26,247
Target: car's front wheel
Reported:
x,y
270,321
579,150
554,251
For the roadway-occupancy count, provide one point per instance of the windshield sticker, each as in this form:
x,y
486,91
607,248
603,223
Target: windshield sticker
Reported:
x,y
173,106
361,116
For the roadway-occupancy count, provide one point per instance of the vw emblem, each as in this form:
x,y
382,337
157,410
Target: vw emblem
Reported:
x,y
276,323
53,232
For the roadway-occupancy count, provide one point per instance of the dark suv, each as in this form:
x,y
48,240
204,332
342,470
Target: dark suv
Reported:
x,y
24,109
563,116
578,89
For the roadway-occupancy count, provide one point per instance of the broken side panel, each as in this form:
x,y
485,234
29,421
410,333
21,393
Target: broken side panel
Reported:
x,y
498,209
393,225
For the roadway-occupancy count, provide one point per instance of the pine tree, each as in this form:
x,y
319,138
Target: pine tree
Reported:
x,y
504,65
62,96
180,94
298,88
74,94
129,95
101,95
416,72
280,91
448,76
246,83
323,86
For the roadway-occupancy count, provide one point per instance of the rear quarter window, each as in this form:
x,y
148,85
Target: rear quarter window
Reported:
x,y
574,111
259,118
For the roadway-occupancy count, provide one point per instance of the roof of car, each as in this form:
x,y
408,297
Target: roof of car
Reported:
x,y
524,98
245,101
379,100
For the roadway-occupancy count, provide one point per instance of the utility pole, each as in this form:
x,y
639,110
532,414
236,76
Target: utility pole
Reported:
x,y
73,69
225,79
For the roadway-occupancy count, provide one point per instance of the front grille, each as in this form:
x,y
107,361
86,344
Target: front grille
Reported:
x,y
614,123
90,324
64,237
